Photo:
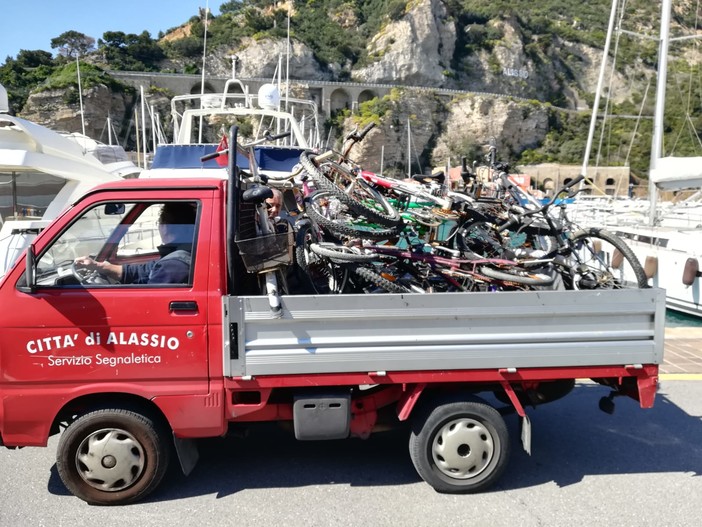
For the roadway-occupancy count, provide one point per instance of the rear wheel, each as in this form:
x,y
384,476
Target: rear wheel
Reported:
x,y
460,447
602,260
113,456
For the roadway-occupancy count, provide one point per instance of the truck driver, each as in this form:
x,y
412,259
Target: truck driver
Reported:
x,y
176,226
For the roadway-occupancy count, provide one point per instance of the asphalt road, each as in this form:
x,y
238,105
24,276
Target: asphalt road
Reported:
x,y
634,468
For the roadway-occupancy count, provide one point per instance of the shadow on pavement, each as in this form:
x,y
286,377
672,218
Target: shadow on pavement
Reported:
x,y
571,439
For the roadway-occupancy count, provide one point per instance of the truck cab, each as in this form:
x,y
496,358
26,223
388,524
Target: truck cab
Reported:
x,y
76,334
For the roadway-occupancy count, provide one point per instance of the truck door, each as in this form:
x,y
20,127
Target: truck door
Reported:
x,y
135,311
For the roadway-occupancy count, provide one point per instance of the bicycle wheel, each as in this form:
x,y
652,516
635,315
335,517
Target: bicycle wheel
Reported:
x,y
478,238
318,274
373,278
323,208
601,260
353,192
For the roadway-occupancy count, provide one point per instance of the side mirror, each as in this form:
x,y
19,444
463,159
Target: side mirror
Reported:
x,y
112,209
30,272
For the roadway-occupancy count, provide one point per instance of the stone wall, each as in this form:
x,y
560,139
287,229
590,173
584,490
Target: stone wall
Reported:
x,y
613,181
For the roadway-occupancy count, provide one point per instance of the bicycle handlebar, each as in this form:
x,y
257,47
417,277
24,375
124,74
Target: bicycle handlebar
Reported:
x,y
514,220
365,130
212,155
355,137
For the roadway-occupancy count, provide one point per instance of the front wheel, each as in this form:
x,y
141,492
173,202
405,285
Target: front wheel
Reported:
x,y
113,456
460,447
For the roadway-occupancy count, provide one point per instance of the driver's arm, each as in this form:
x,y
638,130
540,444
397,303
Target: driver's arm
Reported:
x,y
106,268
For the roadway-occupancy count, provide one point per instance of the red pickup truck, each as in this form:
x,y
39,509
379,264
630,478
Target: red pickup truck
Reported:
x,y
132,374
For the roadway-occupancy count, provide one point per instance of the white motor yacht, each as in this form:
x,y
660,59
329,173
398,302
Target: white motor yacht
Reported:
x,y
41,173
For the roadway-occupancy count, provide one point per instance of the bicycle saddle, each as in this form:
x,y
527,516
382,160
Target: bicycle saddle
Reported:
x,y
257,194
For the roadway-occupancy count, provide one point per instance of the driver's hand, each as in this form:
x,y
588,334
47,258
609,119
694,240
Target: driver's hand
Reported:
x,y
87,262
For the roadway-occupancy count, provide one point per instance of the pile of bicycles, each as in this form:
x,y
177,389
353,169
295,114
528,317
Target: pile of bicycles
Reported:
x,y
359,232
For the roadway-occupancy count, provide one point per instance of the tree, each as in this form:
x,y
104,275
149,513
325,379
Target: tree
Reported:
x,y
21,75
72,44
233,6
34,58
128,51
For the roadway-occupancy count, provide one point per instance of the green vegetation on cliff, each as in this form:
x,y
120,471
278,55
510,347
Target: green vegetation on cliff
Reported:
x,y
339,32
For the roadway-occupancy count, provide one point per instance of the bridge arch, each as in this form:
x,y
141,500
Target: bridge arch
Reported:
x,y
339,100
366,95
197,88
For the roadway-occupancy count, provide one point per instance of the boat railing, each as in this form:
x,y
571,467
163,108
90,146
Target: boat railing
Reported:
x,y
299,116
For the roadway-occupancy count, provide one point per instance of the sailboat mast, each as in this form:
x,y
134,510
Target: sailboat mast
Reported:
x,y
409,150
204,63
598,91
657,139
80,94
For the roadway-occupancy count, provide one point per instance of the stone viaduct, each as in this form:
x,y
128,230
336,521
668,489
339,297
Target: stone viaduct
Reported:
x,y
329,96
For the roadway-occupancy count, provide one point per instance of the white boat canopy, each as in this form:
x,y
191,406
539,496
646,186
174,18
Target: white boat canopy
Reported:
x,y
671,173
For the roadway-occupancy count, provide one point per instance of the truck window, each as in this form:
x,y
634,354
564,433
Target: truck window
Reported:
x,y
124,244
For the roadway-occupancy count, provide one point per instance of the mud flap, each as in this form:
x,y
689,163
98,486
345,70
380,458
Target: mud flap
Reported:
x,y
526,423
188,454
526,434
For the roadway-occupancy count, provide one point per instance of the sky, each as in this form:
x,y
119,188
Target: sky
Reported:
x,y
31,24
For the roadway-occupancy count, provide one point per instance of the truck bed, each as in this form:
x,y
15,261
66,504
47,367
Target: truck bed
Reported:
x,y
443,331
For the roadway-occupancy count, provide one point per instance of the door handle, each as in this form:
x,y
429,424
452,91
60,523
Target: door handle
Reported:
x,y
182,305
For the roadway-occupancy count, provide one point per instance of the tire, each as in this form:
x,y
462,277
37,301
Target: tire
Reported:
x,y
478,238
374,278
460,447
593,257
113,456
518,276
318,274
353,192
342,227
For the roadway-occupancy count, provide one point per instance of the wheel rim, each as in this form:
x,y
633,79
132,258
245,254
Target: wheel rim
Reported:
x,y
110,459
463,448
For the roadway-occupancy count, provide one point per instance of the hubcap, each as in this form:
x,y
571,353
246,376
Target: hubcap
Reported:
x,y
110,459
463,448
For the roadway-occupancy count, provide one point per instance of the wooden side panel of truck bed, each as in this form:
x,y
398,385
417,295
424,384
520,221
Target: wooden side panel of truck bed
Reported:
x,y
451,331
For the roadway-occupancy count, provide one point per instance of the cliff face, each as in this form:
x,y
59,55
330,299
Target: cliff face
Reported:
x,y
260,58
421,48
53,110
511,126
417,49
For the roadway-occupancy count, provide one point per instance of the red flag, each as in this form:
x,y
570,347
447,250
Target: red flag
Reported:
x,y
222,160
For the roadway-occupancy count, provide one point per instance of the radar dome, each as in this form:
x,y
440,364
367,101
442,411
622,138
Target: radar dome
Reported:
x,y
4,106
268,97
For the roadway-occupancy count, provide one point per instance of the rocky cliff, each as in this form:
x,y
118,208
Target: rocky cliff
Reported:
x,y
60,111
417,49
425,46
